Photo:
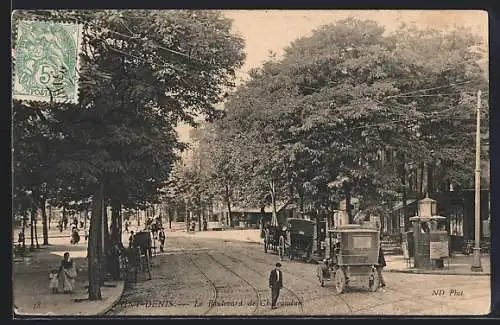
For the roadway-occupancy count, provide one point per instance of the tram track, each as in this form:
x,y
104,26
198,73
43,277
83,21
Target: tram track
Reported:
x,y
352,309
225,267
322,296
223,271
133,293
300,300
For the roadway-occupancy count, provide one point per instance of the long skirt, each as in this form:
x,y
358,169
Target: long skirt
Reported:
x,y
67,279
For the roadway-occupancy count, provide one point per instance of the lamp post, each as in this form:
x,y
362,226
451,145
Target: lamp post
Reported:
x,y
476,266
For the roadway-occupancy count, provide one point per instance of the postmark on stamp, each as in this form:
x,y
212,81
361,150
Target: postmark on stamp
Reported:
x,y
46,61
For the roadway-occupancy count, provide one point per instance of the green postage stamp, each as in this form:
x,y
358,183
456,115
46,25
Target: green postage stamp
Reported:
x,y
46,61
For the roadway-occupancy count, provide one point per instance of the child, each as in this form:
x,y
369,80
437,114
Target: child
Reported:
x,y
54,281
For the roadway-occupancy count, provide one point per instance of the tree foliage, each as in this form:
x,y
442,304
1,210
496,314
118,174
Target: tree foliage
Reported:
x,y
141,73
321,120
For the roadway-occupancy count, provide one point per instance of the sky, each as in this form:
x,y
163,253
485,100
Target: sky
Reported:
x,y
274,30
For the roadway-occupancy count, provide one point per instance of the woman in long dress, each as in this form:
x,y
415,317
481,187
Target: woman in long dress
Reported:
x,y
67,274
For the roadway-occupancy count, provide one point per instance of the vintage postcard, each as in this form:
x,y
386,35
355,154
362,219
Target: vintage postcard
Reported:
x,y
250,163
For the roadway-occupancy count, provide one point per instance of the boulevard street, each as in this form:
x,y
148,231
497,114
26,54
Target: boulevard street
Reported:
x,y
197,276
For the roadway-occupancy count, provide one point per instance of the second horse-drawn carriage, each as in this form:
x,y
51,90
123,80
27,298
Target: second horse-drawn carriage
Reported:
x,y
295,240
351,258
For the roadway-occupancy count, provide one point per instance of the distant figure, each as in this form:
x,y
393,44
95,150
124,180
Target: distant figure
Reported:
x,y
131,239
126,226
75,236
380,266
149,221
205,225
275,283
53,281
20,238
161,236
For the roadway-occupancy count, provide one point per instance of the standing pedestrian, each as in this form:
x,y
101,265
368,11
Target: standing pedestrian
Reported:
x,y
131,239
161,236
65,222
380,265
275,283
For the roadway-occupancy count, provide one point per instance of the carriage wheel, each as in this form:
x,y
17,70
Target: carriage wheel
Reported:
x,y
321,279
339,280
373,280
281,248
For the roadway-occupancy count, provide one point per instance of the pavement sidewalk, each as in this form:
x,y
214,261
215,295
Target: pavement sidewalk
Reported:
x,y
31,292
458,264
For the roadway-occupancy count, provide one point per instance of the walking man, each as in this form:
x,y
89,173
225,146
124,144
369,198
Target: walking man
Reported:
x,y
275,283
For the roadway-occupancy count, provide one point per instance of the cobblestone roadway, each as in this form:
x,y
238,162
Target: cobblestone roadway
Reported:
x,y
212,277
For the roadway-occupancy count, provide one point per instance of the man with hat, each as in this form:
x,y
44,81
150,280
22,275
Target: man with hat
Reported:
x,y
275,283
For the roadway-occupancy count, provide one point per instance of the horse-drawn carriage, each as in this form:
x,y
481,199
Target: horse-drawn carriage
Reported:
x,y
274,239
294,240
138,257
352,258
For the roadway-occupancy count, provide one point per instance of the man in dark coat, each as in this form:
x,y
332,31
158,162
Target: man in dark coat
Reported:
x,y
380,265
275,283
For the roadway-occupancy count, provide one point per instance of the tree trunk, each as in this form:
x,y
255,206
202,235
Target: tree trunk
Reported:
x,y
106,229
120,225
64,215
430,179
50,215
273,201
107,243
301,201
115,216
35,222
94,250
86,216
348,210
45,229
115,238
421,190
24,229
32,223
228,203
199,216
404,193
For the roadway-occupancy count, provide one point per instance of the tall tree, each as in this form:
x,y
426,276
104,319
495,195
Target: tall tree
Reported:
x,y
141,73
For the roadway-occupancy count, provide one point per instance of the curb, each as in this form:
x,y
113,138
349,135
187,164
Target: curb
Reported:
x,y
113,303
436,273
